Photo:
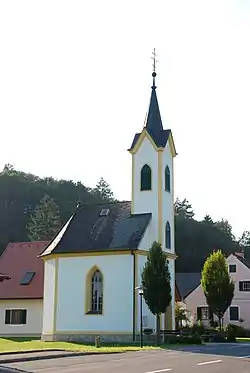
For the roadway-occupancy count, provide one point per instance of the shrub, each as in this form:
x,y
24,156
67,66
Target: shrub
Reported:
x,y
185,339
231,336
197,328
148,331
237,330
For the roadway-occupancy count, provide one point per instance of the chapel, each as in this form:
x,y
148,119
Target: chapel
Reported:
x,y
93,265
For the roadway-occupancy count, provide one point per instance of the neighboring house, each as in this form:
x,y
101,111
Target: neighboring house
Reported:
x,y
94,264
21,302
193,295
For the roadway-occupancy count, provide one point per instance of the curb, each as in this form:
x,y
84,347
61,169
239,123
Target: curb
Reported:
x,y
54,356
29,352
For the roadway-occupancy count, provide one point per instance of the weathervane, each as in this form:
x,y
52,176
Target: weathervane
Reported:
x,y
154,60
154,65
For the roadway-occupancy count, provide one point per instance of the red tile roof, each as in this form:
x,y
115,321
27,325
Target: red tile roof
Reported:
x,y
17,259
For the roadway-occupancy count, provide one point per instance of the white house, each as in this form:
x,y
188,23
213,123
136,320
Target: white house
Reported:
x,y
94,264
192,293
21,297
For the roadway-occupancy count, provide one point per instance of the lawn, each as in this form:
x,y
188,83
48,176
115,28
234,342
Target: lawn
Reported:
x,y
243,340
26,344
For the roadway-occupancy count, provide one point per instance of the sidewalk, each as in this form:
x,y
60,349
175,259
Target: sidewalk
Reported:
x,y
7,358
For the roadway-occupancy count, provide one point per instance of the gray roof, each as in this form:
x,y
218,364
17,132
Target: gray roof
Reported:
x,y
187,282
87,231
154,123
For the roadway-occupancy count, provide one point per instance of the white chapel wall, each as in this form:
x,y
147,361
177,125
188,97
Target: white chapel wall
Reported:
x,y
117,315
167,197
48,295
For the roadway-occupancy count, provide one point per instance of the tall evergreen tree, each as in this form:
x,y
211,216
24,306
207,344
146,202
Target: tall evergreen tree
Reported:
x,y
45,221
103,191
156,283
217,284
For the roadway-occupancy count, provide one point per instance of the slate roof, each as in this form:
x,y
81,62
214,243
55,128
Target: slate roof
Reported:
x,y
187,282
17,259
154,123
87,231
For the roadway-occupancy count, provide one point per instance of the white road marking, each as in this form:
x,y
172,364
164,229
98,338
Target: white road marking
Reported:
x,y
160,370
210,362
244,357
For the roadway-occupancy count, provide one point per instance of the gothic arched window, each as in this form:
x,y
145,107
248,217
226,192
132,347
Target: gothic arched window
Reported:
x,y
97,292
146,178
168,236
167,179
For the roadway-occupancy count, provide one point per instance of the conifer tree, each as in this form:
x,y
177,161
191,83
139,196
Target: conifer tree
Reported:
x,y
103,191
45,221
156,283
217,284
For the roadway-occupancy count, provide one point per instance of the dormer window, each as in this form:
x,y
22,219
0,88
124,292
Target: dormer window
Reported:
x,y
146,178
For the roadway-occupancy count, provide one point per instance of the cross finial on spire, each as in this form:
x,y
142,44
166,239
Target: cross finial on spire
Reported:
x,y
154,66
154,60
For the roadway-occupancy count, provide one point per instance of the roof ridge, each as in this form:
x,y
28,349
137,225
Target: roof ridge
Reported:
x,y
103,203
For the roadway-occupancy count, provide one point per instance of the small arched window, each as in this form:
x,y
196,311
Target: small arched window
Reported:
x,y
146,178
167,179
168,236
97,292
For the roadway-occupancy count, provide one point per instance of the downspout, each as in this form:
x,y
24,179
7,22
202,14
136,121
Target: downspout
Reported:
x,y
134,300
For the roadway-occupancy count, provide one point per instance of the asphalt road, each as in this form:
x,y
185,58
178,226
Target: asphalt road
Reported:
x,y
205,359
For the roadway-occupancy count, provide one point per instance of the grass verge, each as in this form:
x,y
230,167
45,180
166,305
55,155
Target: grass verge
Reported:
x,y
243,340
26,344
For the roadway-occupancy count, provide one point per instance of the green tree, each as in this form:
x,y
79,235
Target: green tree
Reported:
x,y
103,191
217,284
156,284
225,227
183,209
180,315
208,220
45,222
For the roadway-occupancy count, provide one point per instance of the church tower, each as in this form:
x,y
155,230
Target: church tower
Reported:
x,y
153,152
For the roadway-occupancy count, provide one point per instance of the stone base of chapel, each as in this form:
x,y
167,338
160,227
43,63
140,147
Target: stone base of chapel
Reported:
x,y
90,338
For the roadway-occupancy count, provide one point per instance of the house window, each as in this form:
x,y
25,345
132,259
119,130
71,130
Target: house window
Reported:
x,y
203,313
15,317
146,178
234,313
244,286
168,236
97,292
232,268
167,179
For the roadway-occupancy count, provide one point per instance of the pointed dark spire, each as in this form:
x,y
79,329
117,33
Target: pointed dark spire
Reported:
x,y
153,121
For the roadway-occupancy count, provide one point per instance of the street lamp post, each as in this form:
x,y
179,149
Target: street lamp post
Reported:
x,y
140,292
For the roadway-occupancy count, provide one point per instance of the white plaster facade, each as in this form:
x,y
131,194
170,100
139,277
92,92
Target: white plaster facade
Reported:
x,y
241,299
33,326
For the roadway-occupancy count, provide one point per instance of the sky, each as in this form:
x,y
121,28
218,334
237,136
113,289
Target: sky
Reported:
x,y
75,80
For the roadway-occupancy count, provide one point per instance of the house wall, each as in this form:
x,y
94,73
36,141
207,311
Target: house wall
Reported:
x,y
241,299
33,326
117,271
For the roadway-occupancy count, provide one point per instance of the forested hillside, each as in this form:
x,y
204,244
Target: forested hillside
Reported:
x,y
32,208
20,193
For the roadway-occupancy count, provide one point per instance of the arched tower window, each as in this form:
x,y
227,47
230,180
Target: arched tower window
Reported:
x,y
146,178
168,236
97,292
167,179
